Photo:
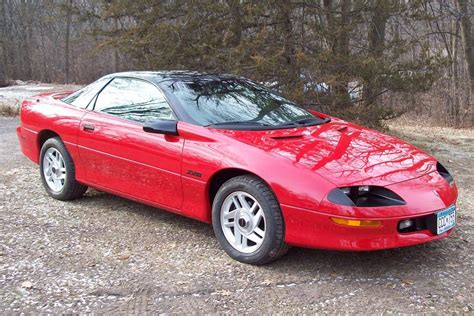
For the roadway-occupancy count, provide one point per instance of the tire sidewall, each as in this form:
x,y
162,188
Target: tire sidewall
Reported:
x,y
270,239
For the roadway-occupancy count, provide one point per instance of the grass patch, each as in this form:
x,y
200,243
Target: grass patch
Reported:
x,y
9,110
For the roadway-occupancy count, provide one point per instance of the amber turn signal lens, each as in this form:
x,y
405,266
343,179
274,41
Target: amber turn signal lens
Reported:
x,y
356,222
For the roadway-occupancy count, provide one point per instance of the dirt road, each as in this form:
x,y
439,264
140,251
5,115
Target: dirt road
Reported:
x,y
106,254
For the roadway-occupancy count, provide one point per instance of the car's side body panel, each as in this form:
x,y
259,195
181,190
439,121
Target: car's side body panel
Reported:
x,y
120,156
208,152
46,113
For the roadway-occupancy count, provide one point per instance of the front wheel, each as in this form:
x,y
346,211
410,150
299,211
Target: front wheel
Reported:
x,y
247,221
58,173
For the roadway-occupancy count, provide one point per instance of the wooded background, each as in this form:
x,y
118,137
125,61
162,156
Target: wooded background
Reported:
x,y
365,60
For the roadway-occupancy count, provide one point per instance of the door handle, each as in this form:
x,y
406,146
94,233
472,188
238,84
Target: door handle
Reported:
x,y
88,128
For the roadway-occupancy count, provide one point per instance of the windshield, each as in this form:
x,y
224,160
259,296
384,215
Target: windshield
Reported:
x,y
223,102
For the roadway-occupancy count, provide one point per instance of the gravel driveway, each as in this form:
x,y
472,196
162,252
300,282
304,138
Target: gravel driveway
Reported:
x,y
105,254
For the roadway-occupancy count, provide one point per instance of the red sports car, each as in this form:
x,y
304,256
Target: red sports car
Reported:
x,y
264,171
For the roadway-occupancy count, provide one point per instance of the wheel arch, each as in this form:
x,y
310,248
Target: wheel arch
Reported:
x,y
223,175
44,135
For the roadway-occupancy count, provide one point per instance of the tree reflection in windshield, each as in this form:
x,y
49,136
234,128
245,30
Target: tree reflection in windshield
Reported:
x,y
211,101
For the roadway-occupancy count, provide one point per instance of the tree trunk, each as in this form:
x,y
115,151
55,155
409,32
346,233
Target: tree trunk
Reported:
x,y
454,73
376,38
468,42
236,22
44,72
338,39
342,50
328,13
115,52
67,39
11,59
3,26
289,51
26,42
343,38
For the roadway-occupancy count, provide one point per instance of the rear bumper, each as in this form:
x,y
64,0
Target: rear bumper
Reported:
x,y
28,144
310,229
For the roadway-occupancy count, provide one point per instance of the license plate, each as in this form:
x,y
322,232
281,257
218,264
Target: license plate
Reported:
x,y
446,219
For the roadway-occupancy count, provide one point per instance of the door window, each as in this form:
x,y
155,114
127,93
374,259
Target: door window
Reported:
x,y
133,99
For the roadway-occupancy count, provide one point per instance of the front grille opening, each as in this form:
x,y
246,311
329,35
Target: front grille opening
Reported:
x,y
427,222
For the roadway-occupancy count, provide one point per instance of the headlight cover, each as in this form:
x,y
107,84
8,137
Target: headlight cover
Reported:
x,y
365,196
444,173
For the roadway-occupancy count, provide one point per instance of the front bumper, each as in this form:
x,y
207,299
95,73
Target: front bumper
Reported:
x,y
309,229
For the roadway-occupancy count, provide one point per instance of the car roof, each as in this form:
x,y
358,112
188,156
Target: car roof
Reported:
x,y
159,76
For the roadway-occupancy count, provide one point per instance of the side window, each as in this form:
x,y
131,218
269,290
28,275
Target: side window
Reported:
x,y
133,99
82,97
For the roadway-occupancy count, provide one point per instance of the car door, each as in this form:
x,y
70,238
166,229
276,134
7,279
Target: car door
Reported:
x,y
119,155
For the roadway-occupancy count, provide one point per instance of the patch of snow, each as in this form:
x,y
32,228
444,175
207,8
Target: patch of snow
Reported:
x,y
37,88
12,96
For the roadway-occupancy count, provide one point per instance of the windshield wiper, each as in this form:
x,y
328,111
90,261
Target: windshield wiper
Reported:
x,y
301,122
308,121
237,123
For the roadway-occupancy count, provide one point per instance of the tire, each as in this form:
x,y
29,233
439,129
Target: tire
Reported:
x,y
57,171
237,221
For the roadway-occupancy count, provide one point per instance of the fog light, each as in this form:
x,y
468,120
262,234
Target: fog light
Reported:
x,y
405,224
356,222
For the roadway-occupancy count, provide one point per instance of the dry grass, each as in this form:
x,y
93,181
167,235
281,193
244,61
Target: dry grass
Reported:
x,y
8,110
424,128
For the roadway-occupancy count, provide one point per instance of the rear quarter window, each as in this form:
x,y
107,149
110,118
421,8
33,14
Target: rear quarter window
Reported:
x,y
83,97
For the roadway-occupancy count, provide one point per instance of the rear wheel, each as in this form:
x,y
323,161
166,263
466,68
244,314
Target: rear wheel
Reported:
x,y
57,171
247,221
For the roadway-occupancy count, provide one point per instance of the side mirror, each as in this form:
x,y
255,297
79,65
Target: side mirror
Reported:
x,y
166,127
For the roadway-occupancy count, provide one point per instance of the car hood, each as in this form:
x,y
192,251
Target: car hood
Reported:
x,y
343,153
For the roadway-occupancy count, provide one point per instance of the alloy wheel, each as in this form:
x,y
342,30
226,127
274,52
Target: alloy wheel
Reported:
x,y
54,169
243,222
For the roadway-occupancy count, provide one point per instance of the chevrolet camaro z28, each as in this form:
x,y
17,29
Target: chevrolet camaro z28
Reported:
x,y
264,171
